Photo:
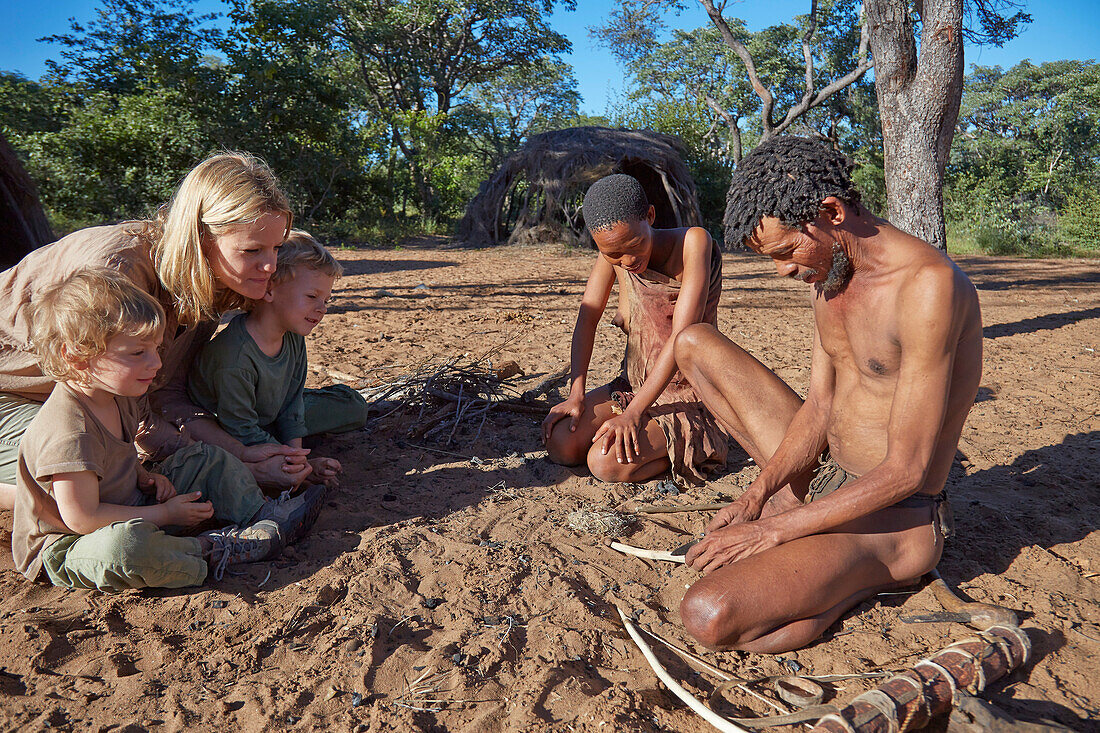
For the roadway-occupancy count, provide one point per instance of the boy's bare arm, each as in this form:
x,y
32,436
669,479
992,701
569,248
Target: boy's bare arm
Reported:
x,y
77,497
621,432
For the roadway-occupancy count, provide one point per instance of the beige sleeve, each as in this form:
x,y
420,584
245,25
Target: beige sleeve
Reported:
x,y
169,407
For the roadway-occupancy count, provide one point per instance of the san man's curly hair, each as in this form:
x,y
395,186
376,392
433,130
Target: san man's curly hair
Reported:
x,y
786,177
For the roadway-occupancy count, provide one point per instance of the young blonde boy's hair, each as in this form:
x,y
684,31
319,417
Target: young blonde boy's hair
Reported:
x,y
301,250
72,321
225,190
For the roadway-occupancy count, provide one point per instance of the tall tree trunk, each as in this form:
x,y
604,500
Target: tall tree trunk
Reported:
x,y
23,224
918,98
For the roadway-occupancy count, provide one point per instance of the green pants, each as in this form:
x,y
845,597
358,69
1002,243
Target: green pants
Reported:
x,y
335,409
138,553
16,414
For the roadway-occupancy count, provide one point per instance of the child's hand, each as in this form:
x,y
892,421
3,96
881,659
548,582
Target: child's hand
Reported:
x,y
620,434
325,470
186,510
571,408
158,483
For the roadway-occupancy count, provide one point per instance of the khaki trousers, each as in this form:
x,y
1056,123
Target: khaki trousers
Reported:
x,y
138,553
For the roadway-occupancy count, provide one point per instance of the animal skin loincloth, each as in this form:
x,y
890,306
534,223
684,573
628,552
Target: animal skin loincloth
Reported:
x,y
830,476
696,443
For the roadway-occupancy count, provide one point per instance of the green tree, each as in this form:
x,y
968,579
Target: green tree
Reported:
x,y
522,101
696,85
416,58
1027,152
109,146
741,76
136,44
115,157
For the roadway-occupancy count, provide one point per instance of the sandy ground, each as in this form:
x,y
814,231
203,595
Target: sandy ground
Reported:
x,y
444,589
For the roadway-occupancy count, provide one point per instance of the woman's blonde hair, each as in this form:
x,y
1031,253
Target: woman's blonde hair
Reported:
x,y
224,191
301,250
72,321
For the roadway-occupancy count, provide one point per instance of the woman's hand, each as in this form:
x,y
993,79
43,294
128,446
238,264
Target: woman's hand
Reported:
x,y
572,408
620,434
263,451
277,466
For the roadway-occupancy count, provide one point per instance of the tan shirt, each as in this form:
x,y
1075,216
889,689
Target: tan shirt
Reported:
x,y
167,404
65,437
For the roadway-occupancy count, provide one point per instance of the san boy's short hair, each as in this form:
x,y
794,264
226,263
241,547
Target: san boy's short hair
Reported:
x,y
301,250
612,200
786,177
72,321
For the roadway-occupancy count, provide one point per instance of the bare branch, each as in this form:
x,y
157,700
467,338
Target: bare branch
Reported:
x,y
807,52
733,147
766,98
862,67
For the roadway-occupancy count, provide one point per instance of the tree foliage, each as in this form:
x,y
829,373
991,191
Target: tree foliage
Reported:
x,y
416,60
1026,164
373,113
697,85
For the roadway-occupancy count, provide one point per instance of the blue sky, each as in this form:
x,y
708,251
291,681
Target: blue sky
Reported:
x,y
1062,29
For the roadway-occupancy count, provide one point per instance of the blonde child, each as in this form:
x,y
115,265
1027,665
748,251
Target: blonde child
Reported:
x,y
252,374
87,512
210,250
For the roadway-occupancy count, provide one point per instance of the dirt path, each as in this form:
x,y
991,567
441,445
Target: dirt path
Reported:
x,y
466,575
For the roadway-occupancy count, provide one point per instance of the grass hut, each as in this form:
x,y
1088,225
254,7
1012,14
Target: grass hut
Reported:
x,y
536,194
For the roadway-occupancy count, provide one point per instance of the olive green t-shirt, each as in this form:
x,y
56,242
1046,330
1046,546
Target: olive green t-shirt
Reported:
x,y
257,398
65,437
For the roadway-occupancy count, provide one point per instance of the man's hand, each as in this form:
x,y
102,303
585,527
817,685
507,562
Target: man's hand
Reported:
x,y
620,434
186,510
157,485
275,466
745,508
263,451
729,544
325,471
572,408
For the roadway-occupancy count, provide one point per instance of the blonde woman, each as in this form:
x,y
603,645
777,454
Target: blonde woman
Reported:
x,y
210,249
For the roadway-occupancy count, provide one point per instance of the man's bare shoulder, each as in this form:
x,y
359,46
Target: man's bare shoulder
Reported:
x,y
937,294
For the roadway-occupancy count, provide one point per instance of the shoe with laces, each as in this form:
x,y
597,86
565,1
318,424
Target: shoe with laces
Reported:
x,y
232,545
294,515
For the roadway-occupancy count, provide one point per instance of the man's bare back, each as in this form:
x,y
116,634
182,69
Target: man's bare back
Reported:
x,y
895,369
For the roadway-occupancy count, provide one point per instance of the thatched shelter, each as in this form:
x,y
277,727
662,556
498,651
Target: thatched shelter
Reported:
x,y
537,193
23,224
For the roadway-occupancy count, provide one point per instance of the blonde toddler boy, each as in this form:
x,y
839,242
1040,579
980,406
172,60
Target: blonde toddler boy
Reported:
x,y
252,374
88,513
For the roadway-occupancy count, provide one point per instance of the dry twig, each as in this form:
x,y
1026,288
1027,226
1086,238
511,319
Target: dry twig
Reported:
x,y
658,509
647,554
455,391
674,687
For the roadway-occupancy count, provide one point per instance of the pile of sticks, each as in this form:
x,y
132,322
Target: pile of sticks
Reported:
x,y
447,394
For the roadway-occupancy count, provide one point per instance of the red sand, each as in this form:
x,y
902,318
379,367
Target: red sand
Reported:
x,y
525,636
